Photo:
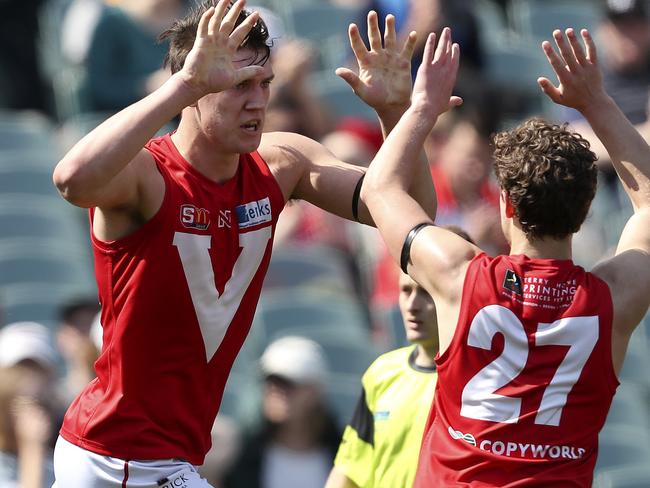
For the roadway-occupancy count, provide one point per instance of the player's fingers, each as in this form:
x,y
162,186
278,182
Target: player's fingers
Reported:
x,y
374,35
409,45
565,51
228,22
442,44
429,49
455,101
576,47
358,47
213,24
350,77
549,89
591,46
390,34
243,29
202,30
221,9
556,63
455,55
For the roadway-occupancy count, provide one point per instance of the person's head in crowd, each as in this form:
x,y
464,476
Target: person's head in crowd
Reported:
x,y
294,370
28,347
548,178
28,404
625,34
355,140
466,157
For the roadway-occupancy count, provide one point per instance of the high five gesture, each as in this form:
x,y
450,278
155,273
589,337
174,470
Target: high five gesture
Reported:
x,y
209,65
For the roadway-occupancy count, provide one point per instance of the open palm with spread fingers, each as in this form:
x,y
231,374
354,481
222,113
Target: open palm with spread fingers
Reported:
x,y
384,78
209,65
576,67
436,75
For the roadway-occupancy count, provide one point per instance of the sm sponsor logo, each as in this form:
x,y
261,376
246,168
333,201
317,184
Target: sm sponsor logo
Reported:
x,y
254,213
194,218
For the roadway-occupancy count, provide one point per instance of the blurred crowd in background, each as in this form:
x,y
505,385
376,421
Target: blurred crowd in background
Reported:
x,y
329,305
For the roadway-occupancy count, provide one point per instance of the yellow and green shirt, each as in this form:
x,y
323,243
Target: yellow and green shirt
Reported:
x,y
381,445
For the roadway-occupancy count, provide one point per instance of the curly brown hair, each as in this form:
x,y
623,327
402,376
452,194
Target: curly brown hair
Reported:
x,y
550,175
182,33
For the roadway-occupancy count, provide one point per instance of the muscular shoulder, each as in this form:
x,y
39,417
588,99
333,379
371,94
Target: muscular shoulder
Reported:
x,y
289,156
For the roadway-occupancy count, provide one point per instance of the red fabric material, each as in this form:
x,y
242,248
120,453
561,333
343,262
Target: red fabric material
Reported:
x,y
529,450
157,391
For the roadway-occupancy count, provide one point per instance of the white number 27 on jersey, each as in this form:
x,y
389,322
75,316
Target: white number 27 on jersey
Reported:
x,y
479,400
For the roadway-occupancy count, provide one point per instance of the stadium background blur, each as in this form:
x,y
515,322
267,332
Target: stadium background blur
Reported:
x,y
66,65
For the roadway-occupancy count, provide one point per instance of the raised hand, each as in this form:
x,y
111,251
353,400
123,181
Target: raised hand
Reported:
x,y
209,66
436,75
581,81
384,78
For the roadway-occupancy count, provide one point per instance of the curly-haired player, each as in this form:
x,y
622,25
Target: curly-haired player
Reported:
x,y
530,343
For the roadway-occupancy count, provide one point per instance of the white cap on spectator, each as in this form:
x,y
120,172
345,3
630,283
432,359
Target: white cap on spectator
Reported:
x,y
26,340
297,359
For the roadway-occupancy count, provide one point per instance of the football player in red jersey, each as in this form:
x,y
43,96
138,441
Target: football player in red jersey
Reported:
x,y
530,343
181,233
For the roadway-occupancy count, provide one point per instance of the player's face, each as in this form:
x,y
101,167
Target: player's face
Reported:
x,y
418,312
234,119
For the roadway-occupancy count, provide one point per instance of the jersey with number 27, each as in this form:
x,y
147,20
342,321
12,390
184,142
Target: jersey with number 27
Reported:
x,y
178,297
527,380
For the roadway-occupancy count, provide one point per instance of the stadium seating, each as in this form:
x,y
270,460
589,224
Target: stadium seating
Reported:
x,y
310,267
626,477
536,19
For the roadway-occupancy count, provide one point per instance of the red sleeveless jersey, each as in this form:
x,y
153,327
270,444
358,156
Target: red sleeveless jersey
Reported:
x,y
526,383
178,296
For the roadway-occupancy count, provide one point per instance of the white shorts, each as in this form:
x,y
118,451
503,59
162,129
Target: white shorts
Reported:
x,y
75,467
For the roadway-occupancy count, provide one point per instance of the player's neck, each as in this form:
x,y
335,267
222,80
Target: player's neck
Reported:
x,y
203,156
542,248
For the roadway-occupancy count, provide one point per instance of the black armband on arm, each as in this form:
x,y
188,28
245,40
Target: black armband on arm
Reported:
x,y
405,256
355,198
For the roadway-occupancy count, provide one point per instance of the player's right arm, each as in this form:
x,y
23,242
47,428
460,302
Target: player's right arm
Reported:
x,y
581,87
109,168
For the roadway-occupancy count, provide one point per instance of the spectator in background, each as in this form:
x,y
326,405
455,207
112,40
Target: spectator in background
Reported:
x,y
76,346
625,37
21,84
27,406
425,16
124,60
381,444
467,196
295,444
293,106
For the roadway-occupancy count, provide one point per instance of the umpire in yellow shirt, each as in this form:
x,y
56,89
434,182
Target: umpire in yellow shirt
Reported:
x,y
381,445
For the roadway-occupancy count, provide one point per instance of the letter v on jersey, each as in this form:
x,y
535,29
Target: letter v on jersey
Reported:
x,y
215,312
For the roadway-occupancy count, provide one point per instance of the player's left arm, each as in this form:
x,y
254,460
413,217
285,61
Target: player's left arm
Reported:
x,y
433,255
308,171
